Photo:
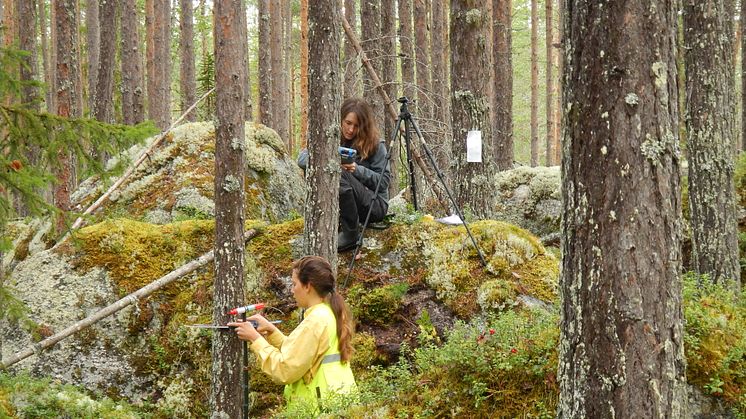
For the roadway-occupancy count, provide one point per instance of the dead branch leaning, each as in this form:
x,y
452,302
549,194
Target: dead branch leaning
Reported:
x,y
120,304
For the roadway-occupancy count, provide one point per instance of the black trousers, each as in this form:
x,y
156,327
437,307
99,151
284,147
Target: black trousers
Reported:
x,y
354,201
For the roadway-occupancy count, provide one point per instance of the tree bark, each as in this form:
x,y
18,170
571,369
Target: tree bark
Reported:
x,y
230,82
534,83
503,111
93,48
406,47
103,103
265,64
621,342
287,42
322,174
67,86
743,81
560,42
27,42
133,109
159,60
304,73
549,99
280,114
351,62
440,90
422,58
388,73
471,67
710,87
188,80
46,56
370,38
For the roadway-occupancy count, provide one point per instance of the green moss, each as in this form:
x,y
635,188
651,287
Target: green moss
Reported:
x,y
378,305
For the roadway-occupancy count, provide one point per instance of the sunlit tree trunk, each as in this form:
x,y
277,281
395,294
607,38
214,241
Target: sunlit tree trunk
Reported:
x,y
370,37
351,63
159,62
440,87
280,114
471,68
503,111
45,55
621,342
265,63
133,107
710,87
549,99
388,74
27,42
230,81
534,83
67,85
188,80
406,47
304,72
322,198
93,48
103,103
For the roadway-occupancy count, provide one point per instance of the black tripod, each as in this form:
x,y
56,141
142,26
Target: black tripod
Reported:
x,y
409,123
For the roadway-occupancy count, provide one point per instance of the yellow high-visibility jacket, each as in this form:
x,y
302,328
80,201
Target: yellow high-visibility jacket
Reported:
x,y
307,361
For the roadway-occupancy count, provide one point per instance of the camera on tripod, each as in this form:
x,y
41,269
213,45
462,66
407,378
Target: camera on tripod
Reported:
x,y
347,155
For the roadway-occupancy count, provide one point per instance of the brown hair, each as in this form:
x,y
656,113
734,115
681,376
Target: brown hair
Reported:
x,y
318,272
367,138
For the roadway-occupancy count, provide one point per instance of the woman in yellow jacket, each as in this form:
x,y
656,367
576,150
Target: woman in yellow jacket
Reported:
x,y
313,361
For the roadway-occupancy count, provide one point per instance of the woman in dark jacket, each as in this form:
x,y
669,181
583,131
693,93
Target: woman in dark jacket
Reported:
x,y
357,184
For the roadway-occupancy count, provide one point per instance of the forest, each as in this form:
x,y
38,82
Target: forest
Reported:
x,y
591,153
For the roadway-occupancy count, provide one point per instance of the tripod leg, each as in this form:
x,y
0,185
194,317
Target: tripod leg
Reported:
x,y
431,159
410,162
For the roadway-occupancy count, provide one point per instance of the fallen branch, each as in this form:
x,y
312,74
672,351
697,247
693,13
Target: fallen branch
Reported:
x,y
120,304
145,154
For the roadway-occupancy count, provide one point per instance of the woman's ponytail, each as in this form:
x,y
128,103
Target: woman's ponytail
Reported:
x,y
345,328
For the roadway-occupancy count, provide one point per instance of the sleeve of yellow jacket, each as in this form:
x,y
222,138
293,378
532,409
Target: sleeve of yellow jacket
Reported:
x,y
288,360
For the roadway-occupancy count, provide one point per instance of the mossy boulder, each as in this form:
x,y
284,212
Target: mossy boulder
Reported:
x,y
145,352
177,180
530,197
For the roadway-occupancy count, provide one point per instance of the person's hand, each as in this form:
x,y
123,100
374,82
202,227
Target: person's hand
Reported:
x,y
263,325
245,331
350,167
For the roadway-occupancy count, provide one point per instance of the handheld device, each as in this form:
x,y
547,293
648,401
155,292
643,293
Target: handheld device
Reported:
x,y
347,155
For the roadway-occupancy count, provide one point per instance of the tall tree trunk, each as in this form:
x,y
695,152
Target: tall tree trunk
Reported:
x,y
265,64
370,31
388,72
422,54
560,41
534,83
549,23
133,108
708,56
621,342
45,55
188,80
279,106
27,41
67,86
743,81
249,107
93,48
287,42
322,198
230,82
159,62
406,47
503,112
351,62
103,103
471,67
304,73
441,91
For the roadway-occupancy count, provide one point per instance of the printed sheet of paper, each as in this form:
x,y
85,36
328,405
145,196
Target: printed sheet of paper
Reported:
x,y
474,147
